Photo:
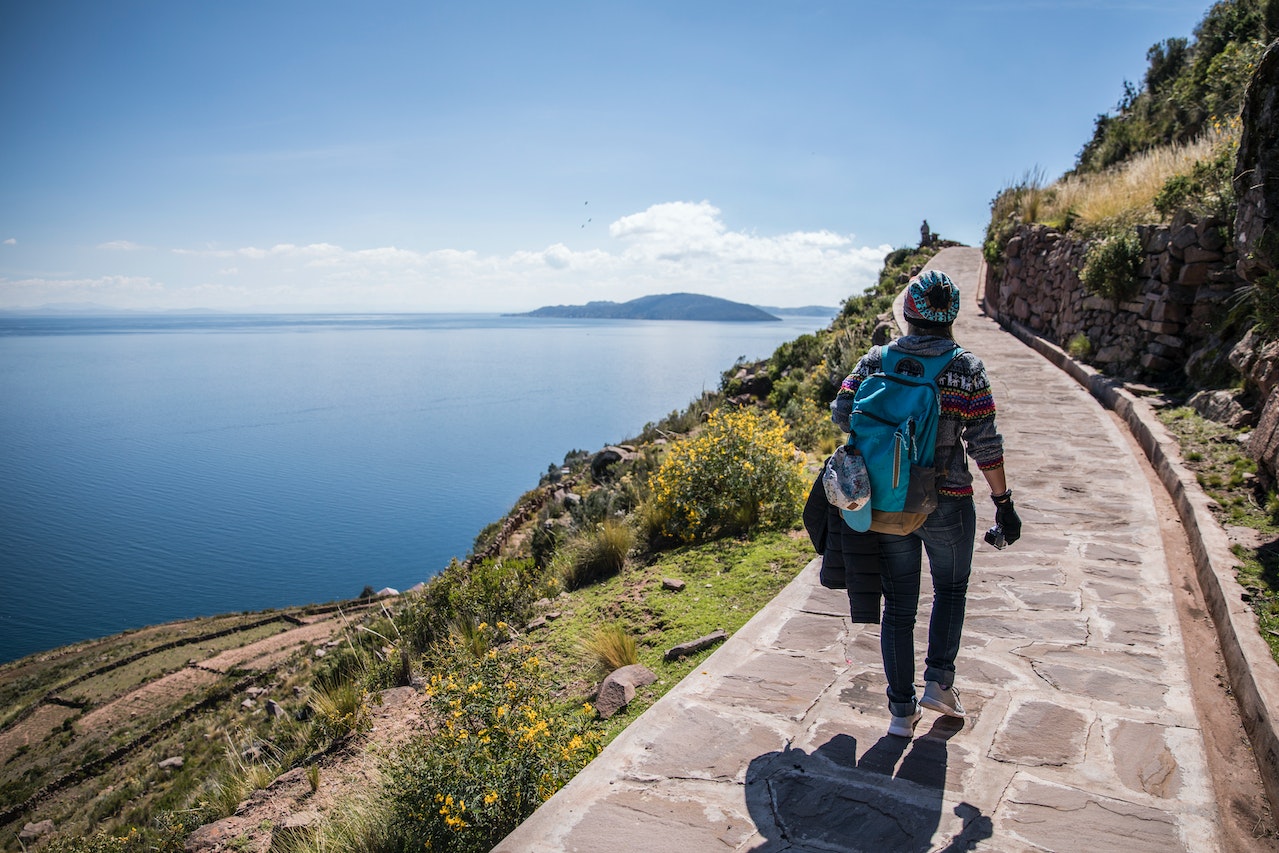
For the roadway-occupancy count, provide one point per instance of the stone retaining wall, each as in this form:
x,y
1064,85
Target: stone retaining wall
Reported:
x,y
1186,282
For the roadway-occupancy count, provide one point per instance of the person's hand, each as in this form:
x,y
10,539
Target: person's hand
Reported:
x,y
1006,516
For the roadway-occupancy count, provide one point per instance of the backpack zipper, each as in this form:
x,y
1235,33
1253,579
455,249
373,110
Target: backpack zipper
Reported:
x,y
897,461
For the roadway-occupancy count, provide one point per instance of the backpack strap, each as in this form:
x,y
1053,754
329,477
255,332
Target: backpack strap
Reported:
x,y
954,356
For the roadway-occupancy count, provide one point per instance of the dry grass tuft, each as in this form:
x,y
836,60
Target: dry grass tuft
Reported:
x,y
1126,193
611,647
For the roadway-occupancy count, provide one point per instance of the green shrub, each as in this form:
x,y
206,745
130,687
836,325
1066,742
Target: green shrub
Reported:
x,y
491,591
738,475
1079,347
1207,190
1265,305
809,426
597,554
544,542
127,840
340,711
804,352
1112,267
498,747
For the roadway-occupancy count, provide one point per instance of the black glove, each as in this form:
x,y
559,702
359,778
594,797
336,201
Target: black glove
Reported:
x,y
1006,516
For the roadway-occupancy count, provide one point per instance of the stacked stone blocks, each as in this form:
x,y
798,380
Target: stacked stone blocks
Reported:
x,y
1186,283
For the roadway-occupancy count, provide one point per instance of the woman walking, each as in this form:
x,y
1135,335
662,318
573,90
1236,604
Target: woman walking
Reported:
x,y
965,429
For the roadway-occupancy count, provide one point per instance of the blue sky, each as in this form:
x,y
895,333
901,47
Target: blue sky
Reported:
x,y
494,156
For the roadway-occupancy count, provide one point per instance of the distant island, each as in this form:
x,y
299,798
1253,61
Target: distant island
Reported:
x,y
665,306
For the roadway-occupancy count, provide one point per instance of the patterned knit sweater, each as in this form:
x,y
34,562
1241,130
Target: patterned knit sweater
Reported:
x,y
967,411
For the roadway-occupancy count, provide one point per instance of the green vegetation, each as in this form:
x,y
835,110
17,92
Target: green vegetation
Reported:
x,y
595,554
1264,296
1112,267
1187,86
738,476
499,746
1228,476
1208,190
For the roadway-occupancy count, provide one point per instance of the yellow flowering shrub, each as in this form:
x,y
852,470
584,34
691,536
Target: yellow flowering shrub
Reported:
x,y
497,747
739,474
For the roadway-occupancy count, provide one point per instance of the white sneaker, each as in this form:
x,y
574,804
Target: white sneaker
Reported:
x,y
943,700
905,726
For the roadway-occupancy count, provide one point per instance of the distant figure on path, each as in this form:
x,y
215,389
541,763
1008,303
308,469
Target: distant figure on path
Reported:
x,y
966,428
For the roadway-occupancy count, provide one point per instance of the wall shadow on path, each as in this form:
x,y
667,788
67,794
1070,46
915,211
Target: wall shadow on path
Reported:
x,y
889,798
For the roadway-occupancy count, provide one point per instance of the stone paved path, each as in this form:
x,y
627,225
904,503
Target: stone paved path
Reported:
x,y
1081,733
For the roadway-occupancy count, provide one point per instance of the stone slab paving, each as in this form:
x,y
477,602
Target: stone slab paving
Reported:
x,y
1081,733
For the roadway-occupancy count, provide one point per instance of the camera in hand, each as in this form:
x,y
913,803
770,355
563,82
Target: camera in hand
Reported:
x,y
995,536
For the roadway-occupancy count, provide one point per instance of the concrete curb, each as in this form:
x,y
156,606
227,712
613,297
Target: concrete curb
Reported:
x,y
1254,676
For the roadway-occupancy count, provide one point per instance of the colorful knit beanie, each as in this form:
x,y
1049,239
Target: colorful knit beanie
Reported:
x,y
932,299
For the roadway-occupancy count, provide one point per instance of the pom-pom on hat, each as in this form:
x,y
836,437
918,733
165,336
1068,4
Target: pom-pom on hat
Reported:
x,y
932,299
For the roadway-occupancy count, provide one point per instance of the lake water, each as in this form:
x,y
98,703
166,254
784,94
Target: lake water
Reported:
x,y
161,467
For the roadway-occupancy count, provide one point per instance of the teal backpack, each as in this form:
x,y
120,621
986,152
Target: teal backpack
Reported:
x,y
894,428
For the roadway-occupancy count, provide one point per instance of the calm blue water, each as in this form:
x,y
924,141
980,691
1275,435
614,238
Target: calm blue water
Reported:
x,y
155,468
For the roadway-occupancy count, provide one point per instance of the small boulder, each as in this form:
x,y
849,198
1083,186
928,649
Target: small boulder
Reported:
x,y
301,820
607,458
673,585
757,385
694,646
174,763
34,831
1223,407
215,836
618,689
273,709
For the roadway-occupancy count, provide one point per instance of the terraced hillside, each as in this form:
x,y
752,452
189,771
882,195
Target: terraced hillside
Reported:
x,y
141,719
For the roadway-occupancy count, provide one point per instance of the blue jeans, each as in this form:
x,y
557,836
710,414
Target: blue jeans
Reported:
x,y
948,536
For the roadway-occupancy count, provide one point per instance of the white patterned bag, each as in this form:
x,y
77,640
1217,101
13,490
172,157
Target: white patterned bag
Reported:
x,y
846,480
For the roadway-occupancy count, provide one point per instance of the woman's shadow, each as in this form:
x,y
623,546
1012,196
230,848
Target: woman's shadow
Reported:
x,y
889,799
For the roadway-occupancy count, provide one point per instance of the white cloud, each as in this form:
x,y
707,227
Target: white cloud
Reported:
x,y
10,242
120,246
667,248
110,290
